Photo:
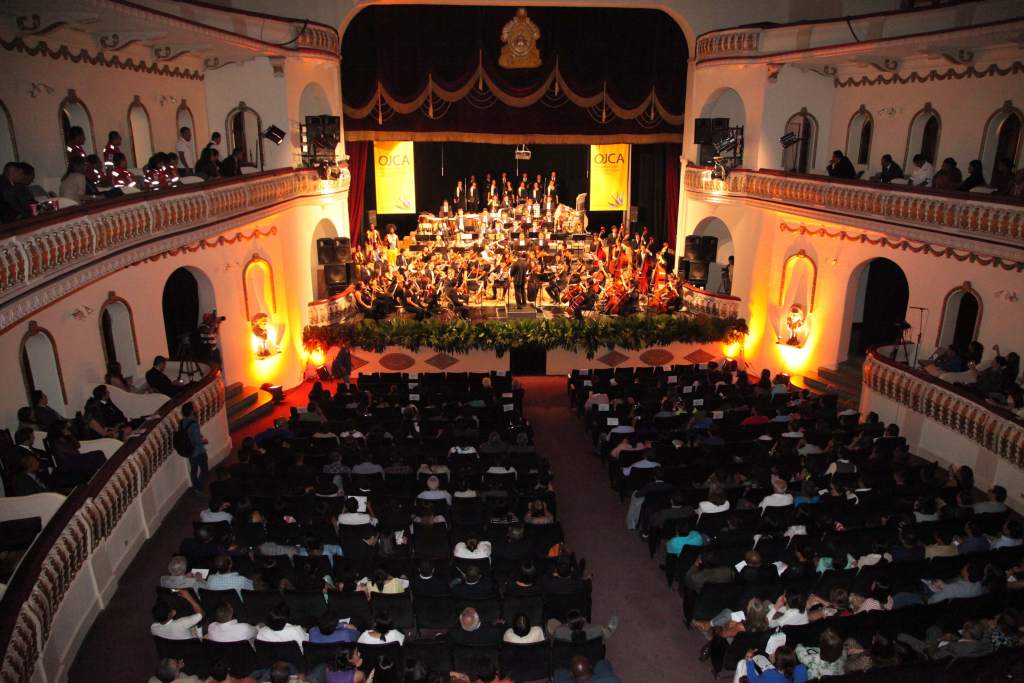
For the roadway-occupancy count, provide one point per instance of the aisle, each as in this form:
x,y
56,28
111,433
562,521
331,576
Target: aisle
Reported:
x,y
650,643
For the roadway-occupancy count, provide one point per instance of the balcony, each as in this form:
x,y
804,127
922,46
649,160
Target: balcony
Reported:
x,y
54,253
924,215
715,305
982,424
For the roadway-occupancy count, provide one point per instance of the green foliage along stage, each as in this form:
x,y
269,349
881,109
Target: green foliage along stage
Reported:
x,y
589,335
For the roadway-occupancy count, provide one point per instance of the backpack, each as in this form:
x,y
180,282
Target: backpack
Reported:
x,y
181,442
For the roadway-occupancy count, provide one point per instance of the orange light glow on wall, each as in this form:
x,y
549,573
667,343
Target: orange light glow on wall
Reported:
x,y
316,357
796,360
732,350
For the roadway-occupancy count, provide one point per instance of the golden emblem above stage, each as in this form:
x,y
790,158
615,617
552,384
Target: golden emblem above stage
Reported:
x,y
520,43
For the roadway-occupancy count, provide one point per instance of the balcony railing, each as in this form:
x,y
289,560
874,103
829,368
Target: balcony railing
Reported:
x,y
990,426
994,219
709,303
84,243
87,518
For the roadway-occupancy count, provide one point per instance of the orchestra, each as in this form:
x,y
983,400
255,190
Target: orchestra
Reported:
x,y
515,251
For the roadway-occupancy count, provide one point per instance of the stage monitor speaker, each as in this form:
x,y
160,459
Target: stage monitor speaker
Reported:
x,y
343,250
705,129
708,249
697,272
337,276
325,251
692,248
682,267
371,217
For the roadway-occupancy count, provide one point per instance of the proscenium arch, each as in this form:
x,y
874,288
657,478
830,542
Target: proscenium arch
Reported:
x,y
113,300
688,33
37,334
325,228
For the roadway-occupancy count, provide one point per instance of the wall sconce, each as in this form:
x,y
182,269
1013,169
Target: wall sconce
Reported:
x,y
164,99
37,89
82,312
889,111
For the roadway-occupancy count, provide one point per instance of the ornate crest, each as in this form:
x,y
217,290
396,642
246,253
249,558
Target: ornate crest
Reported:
x,y
519,36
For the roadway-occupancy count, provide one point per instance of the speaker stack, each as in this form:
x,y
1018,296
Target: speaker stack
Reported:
x,y
705,131
323,133
698,253
334,258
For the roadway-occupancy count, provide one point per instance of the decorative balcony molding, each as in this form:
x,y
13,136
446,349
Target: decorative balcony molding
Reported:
x,y
317,37
975,223
709,303
731,43
44,259
332,310
989,427
84,521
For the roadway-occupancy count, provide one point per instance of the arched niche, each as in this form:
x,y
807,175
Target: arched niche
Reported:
x,y
40,366
183,119
724,103
140,132
258,288
858,136
960,319
799,281
1002,137
923,135
325,228
313,101
716,227
188,294
876,306
117,332
73,112
244,129
8,141
799,157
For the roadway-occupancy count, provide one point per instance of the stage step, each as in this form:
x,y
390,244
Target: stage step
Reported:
x,y
248,406
844,380
232,390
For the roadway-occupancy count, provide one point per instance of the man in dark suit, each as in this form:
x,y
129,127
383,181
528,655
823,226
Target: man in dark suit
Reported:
x,y
840,166
428,582
232,164
514,547
158,381
519,272
29,480
474,584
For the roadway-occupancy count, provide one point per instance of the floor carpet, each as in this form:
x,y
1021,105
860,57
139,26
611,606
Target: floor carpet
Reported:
x,y
649,645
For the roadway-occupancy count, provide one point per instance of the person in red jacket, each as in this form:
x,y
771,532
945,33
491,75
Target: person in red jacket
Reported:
x,y
112,149
75,147
119,174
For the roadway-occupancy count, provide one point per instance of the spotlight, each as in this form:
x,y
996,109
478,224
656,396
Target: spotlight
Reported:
x,y
725,144
789,139
523,153
719,171
274,134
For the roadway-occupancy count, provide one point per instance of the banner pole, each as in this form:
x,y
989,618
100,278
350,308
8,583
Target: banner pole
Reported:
x,y
629,187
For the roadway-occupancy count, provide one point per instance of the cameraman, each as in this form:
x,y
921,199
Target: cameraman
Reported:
x,y
208,331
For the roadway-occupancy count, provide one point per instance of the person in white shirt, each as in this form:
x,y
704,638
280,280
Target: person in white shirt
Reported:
x,y
382,633
224,579
595,398
352,517
644,463
217,512
278,630
788,610
716,502
472,549
522,632
186,149
166,623
227,629
996,502
178,576
1012,536
921,171
780,497
434,492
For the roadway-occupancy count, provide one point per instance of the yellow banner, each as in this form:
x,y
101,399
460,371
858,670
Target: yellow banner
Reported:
x,y
393,166
609,177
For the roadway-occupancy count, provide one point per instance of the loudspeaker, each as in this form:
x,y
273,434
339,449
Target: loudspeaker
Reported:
x,y
682,266
692,248
325,251
337,276
371,217
704,130
343,250
708,249
323,134
697,272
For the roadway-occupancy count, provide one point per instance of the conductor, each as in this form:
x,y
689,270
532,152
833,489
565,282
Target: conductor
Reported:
x,y
519,272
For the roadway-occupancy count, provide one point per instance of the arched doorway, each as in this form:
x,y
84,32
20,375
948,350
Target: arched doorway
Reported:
x,y
799,156
858,137
325,228
1002,140
188,294
724,103
140,133
40,367
74,114
924,135
185,119
961,318
117,331
881,294
8,143
715,227
244,129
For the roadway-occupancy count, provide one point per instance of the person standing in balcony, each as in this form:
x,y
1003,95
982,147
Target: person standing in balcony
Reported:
x,y
198,464
214,143
75,147
726,286
840,166
111,150
186,150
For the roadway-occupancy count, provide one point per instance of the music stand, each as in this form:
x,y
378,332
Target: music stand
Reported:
x,y
902,343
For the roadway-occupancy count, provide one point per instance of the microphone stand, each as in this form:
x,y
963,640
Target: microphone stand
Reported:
x,y
920,330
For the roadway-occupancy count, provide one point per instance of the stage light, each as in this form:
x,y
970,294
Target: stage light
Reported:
x,y
274,134
725,144
719,171
275,390
789,139
523,153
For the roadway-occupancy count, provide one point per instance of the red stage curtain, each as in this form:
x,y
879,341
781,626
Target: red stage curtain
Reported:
x,y
672,153
357,156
